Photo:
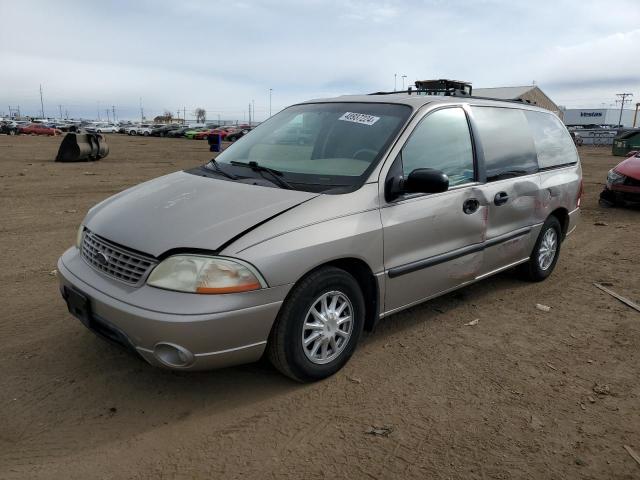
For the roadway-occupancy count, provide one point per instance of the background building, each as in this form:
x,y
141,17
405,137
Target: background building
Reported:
x,y
574,117
530,93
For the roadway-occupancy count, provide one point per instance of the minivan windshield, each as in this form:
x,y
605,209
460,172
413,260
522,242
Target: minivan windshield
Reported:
x,y
320,146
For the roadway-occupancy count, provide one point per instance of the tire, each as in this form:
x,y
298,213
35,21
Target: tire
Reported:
x,y
145,134
540,266
285,348
98,131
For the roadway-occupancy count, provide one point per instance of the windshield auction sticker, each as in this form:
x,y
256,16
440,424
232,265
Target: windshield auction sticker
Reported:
x,y
361,118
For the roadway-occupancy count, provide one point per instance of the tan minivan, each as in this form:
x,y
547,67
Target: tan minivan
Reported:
x,y
329,216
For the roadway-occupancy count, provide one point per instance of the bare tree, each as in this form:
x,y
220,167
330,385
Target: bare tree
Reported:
x,y
201,115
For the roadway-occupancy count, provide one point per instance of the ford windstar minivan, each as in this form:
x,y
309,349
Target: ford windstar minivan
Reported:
x,y
326,218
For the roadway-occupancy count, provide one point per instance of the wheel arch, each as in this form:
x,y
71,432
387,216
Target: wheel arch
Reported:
x,y
562,214
367,281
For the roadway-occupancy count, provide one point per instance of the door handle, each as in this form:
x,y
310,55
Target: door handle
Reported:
x,y
470,206
501,198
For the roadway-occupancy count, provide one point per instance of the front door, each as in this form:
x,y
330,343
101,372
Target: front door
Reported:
x,y
433,242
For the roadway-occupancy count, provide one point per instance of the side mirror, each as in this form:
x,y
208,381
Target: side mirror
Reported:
x,y
426,180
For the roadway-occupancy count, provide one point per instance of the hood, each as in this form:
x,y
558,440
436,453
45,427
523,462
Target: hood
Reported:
x,y
182,210
629,167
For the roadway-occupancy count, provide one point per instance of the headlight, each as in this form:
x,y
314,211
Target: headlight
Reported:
x,y
201,274
614,177
79,237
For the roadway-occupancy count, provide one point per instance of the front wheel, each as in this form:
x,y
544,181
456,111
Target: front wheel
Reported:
x,y
318,327
545,252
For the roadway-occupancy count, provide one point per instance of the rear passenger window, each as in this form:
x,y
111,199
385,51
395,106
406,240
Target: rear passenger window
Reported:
x,y
553,142
441,141
506,141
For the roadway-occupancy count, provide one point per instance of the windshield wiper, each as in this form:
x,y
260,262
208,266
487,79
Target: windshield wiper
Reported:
x,y
216,167
275,174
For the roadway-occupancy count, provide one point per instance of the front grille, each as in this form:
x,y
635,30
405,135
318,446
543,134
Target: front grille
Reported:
x,y
117,262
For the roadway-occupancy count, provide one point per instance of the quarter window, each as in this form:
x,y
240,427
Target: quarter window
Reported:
x,y
506,142
552,140
442,142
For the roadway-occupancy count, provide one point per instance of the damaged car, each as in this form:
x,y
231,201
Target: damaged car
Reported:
x,y
623,182
291,248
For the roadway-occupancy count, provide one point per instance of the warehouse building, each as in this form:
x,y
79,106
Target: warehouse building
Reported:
x,y
595,117
529,93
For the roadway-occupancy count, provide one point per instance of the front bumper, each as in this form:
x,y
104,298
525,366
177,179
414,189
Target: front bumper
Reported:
x,y
219,330
621,193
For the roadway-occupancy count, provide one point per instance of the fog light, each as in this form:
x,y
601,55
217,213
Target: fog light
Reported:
x,y
173,355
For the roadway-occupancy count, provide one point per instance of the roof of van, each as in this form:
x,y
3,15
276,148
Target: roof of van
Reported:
x,y
416,101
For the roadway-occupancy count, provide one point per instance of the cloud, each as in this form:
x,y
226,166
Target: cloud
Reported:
x,y
222,55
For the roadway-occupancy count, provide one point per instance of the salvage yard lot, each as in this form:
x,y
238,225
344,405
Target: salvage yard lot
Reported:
x,y
521,394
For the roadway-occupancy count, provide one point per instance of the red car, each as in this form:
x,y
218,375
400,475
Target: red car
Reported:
x,y
222,131
623,182
38,129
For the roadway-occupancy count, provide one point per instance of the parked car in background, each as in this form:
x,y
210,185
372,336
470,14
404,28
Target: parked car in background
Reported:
x,y
163,130
179,132
623,182
191,134
102,128
38,129
222,131
144,129
8,128
293,249
232,137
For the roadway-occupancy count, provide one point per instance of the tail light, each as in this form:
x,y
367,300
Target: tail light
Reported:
x,y
580,193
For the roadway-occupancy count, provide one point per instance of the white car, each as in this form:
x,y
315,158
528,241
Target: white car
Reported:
x,y
102,128
144,129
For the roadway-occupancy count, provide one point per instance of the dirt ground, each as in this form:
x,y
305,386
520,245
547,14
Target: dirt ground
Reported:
x,y
515,396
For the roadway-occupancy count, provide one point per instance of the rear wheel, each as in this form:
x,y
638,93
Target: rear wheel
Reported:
x,y
318,327
146,134
545,252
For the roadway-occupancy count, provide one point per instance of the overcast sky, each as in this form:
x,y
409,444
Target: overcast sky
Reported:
x,y
221,55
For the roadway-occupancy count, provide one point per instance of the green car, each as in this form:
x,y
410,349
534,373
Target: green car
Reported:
x,y
192,133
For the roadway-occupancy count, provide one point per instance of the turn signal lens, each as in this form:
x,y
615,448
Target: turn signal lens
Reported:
x,y
79,237
207,275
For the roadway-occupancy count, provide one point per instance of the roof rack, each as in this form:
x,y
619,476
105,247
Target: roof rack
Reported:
x,y
448,88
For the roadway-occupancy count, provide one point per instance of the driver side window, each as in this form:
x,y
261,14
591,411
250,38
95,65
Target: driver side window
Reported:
x,y
441,141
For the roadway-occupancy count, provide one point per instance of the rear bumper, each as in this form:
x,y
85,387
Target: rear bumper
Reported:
x,y
233,329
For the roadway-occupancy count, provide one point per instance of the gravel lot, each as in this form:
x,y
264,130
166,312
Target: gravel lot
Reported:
x,y
521,394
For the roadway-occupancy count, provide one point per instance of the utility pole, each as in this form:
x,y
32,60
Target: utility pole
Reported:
x,y
141,111
98,111
113,110
395,82
635,116
403,77
41,102
622,101
184,114
9,111
270,94
60,109
108,121
249,113
66,114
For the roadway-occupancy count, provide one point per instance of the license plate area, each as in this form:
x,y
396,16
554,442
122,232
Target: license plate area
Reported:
x,y
78,305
